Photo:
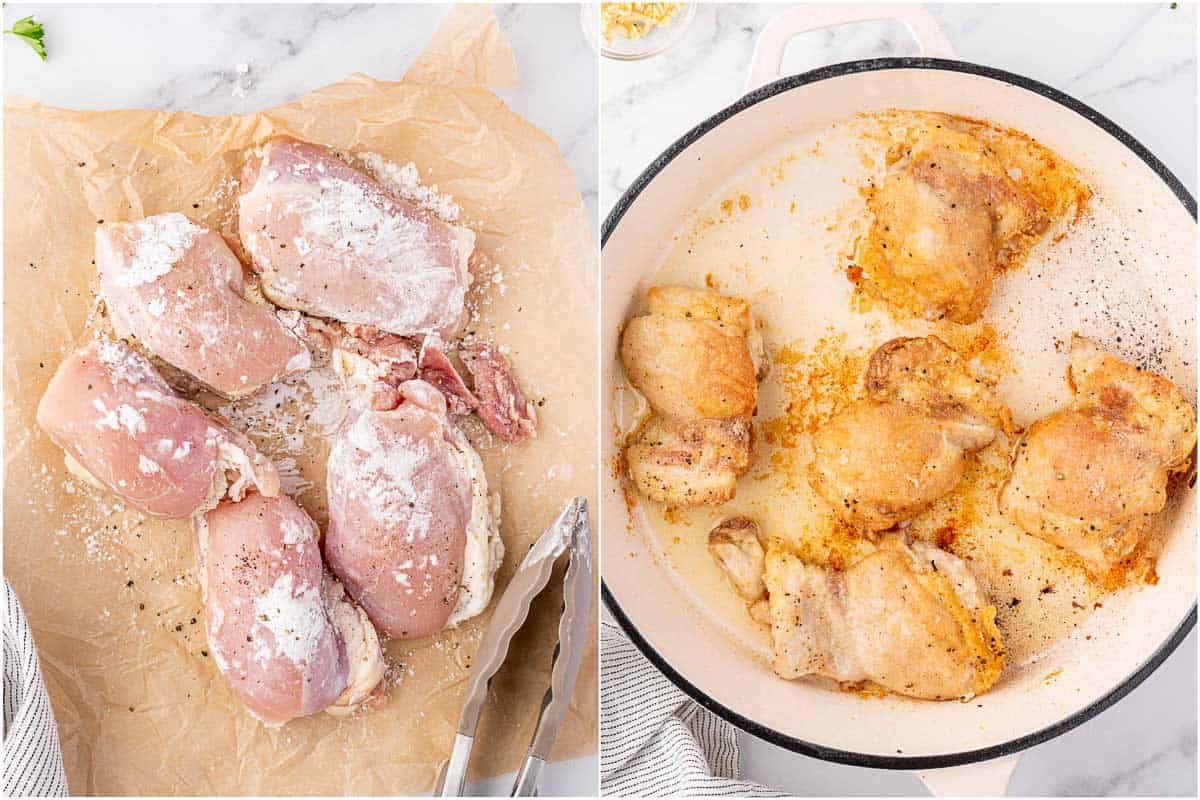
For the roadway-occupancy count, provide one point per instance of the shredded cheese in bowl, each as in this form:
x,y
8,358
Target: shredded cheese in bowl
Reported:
x,y
635,20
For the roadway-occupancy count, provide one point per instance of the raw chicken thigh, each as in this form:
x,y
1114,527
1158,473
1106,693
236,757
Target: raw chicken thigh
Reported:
x,y
435,367
886,458
908,618
377,362
123,427
330,241
281,632
1091,478
411,534
178,288
500,405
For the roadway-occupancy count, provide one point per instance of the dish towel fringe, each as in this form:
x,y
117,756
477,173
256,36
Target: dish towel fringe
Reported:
x,y
654,740
33,765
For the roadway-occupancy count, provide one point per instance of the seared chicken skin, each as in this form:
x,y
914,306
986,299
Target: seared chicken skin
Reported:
x,y
1092,477
737,546
947,217
690,355
884,459
689,463
908,618
739,549
697,358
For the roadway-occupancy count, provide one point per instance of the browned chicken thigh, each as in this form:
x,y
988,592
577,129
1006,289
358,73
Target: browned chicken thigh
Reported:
x,y
1091,478
947,217
697,358
691,354
887,457
737,546
909,618
689,463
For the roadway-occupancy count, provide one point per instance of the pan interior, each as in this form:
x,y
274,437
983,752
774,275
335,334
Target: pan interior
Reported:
x,y
764,206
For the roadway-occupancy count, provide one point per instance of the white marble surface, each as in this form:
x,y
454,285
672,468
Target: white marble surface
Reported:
x,y
1135,64
187,57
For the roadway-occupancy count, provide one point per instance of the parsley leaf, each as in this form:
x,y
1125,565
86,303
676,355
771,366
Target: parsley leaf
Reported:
x,y
32,33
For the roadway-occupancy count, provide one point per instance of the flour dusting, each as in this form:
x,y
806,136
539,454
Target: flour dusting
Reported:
x,y
295,617
161,241
404,181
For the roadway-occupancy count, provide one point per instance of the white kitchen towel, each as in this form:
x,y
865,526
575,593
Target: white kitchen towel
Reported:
x,y
654,740
33,765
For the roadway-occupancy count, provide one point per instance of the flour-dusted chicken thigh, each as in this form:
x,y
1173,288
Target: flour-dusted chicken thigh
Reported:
x,y
887,457
1092,477
280,630
697,358
123,427
178,288
411,534
330,241
947,218
911,619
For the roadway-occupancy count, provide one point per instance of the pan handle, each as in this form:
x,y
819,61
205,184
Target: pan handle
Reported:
x,y
987,779
773,41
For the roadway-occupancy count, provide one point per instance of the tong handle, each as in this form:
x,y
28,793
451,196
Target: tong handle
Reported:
x,y
454,774
526,783
573,625
508,616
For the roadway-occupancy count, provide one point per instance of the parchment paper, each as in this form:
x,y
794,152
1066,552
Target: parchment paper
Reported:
x,y
111,595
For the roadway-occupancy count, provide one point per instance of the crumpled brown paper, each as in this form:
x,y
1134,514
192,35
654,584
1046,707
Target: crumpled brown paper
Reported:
x,y
111,595
468,49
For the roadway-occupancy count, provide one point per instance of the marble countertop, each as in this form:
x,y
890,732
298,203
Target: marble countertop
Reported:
x,y
222,59
1134,63
190,57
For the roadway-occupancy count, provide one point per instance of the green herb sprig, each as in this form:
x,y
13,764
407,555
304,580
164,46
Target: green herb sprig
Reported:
x,y
32,33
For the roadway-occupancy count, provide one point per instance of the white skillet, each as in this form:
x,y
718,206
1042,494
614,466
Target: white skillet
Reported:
x,y
654,604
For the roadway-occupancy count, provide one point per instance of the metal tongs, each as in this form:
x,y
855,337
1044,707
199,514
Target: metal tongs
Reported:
x,y
571,532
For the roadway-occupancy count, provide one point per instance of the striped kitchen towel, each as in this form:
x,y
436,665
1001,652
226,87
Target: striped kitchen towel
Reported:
x,y
654,740
33,765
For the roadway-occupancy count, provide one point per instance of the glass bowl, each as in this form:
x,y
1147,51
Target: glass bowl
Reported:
x,y
658,40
